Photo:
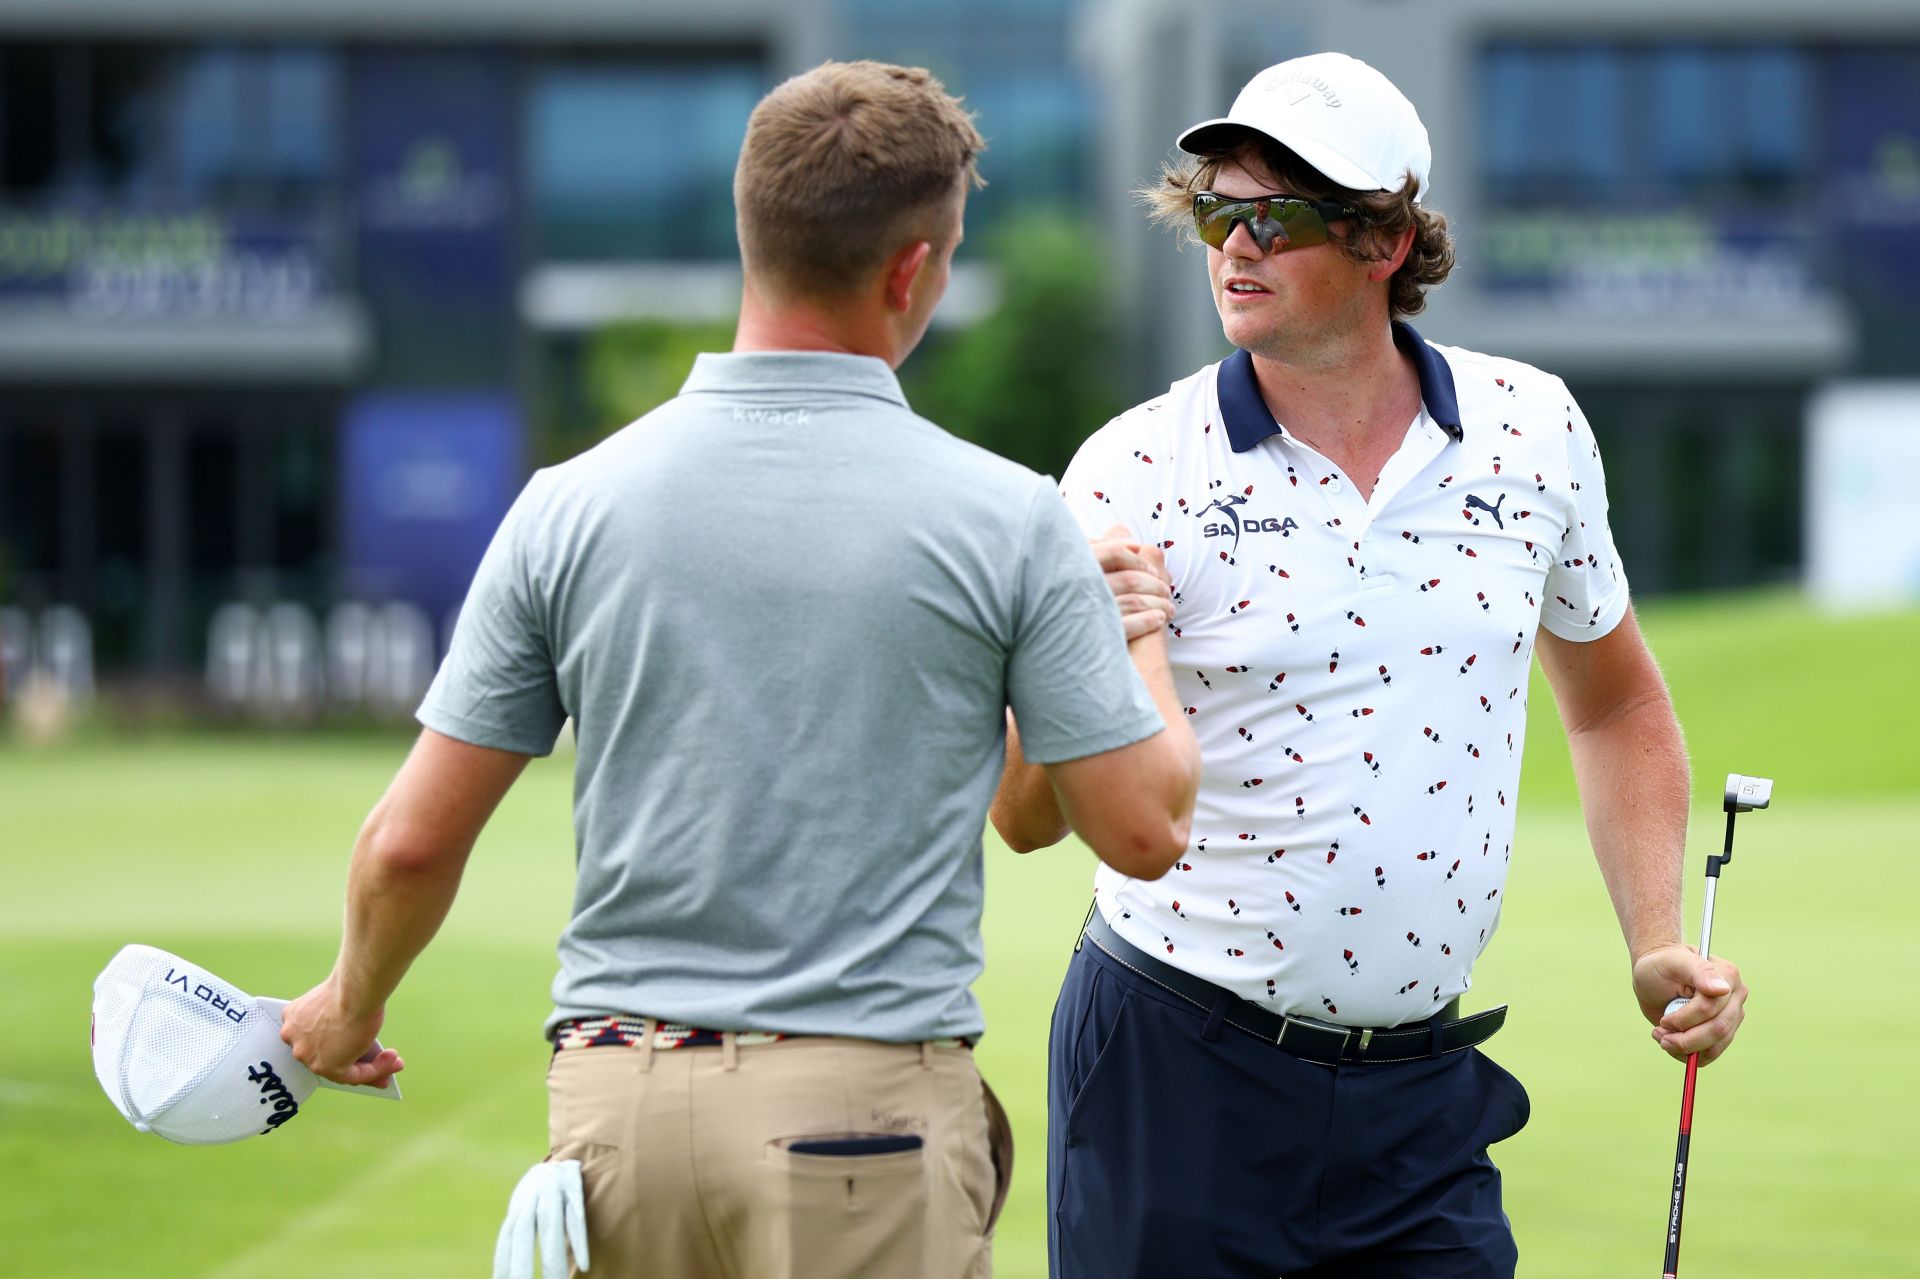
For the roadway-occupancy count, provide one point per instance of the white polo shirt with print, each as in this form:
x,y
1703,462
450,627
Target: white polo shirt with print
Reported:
x,y
1356,671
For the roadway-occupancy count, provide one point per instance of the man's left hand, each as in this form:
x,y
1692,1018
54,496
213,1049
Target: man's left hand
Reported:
x,y
335,1044
1716,1000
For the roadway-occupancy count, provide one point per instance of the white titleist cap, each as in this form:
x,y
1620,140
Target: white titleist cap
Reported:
x,y
1336,113
186,1055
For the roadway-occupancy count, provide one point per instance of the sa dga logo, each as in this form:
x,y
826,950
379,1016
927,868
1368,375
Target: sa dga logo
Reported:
x,y
1233,525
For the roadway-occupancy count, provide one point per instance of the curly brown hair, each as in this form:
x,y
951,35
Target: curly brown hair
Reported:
x,y
1383,214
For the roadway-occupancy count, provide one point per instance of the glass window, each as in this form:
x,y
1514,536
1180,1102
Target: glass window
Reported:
x,y
29,504
1585,116
1777,112
1729,116
1014,64
1553,123
635,159
145,126
1643,175
1691,100
1662,123
256,124
1506,89
206,124
29,111
1038,143
126,95
301,141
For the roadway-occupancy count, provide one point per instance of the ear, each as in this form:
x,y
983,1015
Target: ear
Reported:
x,y
903,270
1382,268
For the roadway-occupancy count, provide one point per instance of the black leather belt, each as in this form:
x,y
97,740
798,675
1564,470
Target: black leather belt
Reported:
x,y
1306,1037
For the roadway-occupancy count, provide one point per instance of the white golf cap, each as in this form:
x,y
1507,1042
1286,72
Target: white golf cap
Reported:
x,y
1335,112
186,1055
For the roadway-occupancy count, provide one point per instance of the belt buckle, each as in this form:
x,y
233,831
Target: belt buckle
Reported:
x,y
1289,1020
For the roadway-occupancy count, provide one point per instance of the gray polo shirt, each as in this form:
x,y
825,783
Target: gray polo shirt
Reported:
x,y
786,615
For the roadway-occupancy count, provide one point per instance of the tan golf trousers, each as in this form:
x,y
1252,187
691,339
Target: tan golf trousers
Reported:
x,y
685,1155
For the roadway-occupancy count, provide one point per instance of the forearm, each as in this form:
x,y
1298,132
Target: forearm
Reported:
x,y
406,869
1633,775
1025,810
1134,806
398,895
1149,654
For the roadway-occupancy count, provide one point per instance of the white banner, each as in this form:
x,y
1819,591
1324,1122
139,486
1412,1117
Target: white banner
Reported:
x,y
1863,494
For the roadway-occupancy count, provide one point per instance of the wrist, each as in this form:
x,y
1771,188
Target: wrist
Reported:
x,y
1149,656
1640,949
351,1007
1150,648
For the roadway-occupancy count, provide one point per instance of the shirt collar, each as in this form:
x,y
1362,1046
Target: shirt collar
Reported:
x,y
774,371
1248,420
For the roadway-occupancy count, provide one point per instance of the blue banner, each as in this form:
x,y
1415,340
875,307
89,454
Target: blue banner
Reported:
x,y
1871,159
425,479
433,137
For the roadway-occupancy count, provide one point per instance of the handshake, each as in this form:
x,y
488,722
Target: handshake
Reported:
x,y
1137,576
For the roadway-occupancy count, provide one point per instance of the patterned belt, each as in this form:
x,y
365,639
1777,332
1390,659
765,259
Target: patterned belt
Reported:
x,y
620,1031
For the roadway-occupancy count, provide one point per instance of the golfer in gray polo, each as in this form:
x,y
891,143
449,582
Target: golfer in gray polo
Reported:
x,y
787,618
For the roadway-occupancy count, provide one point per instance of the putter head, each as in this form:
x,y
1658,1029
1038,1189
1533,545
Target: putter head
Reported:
x,y
1744,794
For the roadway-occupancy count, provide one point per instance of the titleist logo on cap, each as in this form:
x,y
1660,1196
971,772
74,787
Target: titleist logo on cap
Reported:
x,y
1307,82
273,1090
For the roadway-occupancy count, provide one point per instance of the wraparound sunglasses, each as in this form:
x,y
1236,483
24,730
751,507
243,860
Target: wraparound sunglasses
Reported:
x,y
1276,222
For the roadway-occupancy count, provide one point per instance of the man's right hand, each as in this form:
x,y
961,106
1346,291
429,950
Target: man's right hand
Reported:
x,y
334,1043
1137,576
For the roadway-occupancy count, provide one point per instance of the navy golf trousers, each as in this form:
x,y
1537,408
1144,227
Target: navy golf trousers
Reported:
x,y
1179,1149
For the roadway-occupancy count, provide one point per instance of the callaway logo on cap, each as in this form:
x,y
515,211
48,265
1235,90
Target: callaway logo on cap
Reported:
x,y
186,1055
1335,112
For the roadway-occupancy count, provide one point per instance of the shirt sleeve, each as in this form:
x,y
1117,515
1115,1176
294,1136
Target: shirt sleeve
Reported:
x,y
1071,684
1586,587
498,687
1112,480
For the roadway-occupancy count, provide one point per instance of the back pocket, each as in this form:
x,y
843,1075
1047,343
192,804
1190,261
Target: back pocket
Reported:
x,y
853,1203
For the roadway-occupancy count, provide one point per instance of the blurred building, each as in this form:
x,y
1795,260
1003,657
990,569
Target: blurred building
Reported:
x,y
285,295
1698,214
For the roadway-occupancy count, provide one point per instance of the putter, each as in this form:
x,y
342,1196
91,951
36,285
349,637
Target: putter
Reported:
x,y
1744,794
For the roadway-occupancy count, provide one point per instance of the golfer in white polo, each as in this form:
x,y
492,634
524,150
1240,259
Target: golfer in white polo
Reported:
x,y
1259,1065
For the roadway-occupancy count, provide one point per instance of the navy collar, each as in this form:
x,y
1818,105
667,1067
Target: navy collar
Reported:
x,y
1248,420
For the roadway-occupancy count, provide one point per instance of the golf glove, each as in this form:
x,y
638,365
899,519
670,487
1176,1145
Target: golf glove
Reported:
x,y
548,1208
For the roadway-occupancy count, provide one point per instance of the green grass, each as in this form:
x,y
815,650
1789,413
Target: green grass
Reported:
x,y
232,850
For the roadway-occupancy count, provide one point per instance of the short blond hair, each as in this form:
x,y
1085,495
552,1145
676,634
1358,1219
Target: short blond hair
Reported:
x,y
1383,214
843,165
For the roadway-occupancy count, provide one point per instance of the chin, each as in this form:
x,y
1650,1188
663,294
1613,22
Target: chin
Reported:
x,y
1248,331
